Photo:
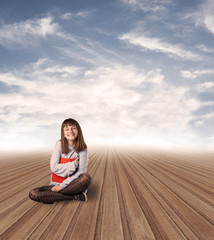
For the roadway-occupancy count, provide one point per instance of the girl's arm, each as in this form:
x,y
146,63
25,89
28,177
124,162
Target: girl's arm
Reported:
x,y
83,164
62,170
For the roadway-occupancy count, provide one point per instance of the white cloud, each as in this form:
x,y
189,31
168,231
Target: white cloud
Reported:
x,y
28,33
212,140
66,16
148,5
112,102
192,74
205,48
202,119
205,86
188,74
157,45
203,16
82,14
90,52
207,15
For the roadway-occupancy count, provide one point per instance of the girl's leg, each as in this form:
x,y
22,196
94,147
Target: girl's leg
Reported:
x,y
71,192
45,195
78,185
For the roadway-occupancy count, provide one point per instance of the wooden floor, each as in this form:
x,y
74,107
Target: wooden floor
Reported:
x,y
134,194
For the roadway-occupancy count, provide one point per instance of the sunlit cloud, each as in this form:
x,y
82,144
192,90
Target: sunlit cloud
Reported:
x,y
27,33
207,17
82,14
203,15
157,45
66,16
136,100
205,48
148,5
196,73
205,86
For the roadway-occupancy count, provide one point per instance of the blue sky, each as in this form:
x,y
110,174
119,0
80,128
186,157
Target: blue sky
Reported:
x,y
129,71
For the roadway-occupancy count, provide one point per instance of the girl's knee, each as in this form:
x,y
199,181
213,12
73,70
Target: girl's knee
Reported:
x,y
87,177
33,194
86,180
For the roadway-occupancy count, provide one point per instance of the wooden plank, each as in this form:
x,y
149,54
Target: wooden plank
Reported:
x,y
162,226
111,227
88,215
197,188
184,203
135,224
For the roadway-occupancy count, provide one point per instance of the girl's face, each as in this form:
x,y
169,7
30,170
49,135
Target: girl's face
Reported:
x,y
70,133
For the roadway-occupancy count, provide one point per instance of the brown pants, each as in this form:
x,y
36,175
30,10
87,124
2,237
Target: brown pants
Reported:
x,y
77,186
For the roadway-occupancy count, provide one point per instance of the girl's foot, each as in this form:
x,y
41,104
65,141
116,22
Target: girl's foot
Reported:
x,y
80,197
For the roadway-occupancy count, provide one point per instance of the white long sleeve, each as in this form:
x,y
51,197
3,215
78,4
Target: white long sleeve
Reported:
x,y
65,169
83,164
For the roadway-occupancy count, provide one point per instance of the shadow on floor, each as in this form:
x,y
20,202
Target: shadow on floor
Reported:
x,y
92,191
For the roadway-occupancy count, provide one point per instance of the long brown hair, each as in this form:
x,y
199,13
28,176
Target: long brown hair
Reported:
x,y
80,144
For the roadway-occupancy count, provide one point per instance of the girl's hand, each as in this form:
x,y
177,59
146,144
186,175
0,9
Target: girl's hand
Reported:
x,y
56,188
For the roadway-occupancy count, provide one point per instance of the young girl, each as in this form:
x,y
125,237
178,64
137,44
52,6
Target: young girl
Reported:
x,y
69,161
